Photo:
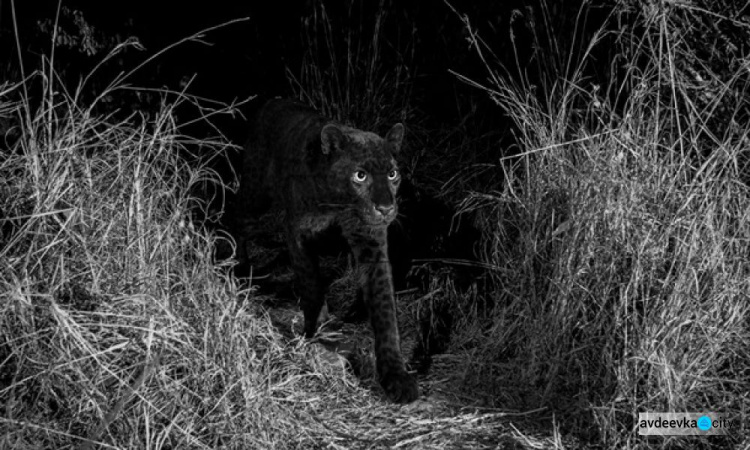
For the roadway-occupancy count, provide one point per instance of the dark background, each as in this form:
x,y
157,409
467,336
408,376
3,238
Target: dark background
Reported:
x,y
252,57
451,125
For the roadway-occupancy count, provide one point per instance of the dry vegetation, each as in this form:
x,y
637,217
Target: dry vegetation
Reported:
x,y
620,237
617,245
119,331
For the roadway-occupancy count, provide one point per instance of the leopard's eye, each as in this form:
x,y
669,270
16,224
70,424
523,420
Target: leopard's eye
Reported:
x,y
393,174
359,176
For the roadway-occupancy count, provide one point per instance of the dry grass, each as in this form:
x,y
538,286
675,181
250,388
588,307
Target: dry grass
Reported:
x,y
367,81
620,241
119,330
617,243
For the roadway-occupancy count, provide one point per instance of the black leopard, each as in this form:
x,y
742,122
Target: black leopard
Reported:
x,y
329,177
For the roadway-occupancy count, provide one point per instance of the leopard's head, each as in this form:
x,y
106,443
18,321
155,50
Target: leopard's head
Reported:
x,y
364,173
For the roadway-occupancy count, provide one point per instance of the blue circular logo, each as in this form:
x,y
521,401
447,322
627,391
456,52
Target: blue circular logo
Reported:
x,y
704,423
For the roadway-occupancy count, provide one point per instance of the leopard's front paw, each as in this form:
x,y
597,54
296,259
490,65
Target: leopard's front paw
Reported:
x,y
400,386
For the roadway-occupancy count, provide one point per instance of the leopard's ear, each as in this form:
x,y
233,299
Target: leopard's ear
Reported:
x,y
395,136
331,138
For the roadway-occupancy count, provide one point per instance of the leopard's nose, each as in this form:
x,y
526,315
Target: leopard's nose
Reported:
x,y
385,210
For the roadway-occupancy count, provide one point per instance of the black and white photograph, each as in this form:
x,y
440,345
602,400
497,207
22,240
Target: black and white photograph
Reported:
x,y
374,224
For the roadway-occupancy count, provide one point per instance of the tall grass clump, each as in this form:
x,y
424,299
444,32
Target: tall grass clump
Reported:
x,y
619,239
356,68
117,329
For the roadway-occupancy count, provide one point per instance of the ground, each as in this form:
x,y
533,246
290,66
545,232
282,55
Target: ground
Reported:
x,y
445,416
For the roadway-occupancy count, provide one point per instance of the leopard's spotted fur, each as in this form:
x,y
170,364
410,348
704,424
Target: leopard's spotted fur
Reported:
x,y
330,177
